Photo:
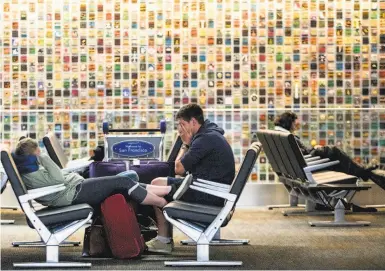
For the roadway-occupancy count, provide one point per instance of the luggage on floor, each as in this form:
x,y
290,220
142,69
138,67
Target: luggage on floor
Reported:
x,y
147,170
95,241
121,227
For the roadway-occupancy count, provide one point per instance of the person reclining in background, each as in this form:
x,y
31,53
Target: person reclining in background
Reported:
x,y
206,155
39,170
288,122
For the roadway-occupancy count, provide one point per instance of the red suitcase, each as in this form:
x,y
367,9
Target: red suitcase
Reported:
x,y
121,227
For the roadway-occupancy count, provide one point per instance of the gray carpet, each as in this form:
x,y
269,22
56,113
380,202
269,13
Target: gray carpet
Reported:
x,y
276,242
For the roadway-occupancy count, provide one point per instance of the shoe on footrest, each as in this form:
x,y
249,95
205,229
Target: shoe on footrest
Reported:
x,y
183,187
372,167
378,177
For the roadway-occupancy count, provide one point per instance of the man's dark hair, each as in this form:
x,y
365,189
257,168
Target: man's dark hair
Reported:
x,y
190,111
286,120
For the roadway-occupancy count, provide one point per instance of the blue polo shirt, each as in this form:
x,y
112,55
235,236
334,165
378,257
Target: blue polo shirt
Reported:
x,y
209,157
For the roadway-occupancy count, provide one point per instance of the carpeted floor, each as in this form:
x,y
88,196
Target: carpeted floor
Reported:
x,y
276,242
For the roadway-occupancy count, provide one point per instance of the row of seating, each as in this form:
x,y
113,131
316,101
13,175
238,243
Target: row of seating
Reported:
x,y
309,177
201,223
304,176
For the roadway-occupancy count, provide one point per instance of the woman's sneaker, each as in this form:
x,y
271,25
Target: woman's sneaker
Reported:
x,y
183,187
159,247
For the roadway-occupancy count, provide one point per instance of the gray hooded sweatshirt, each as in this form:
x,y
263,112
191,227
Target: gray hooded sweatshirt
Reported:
x,y
50,174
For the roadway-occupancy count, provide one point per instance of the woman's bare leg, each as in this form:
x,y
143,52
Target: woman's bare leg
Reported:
x,y
152,199
158,190
164,227
160,181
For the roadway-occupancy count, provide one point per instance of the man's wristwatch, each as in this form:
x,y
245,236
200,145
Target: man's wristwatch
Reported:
x,y
185,146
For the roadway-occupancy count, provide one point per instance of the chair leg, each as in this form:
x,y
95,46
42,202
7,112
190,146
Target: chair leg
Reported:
x,y
381,208
217,241
339,219
9,208
202,259
309,210
293,203
52,265
375,205
8,222
41,244
52,260
286,206
3,222
203,253
52,254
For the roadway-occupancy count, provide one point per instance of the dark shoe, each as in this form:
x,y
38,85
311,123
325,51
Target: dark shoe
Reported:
x,y
372,167
169,196
374,164
378,177
358,209
183,187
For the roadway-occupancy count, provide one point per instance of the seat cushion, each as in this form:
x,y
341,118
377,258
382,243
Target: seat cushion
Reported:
x,y
329,176
53,216
192,211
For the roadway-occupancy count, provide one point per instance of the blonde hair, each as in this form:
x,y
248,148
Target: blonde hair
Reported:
x,y
26,146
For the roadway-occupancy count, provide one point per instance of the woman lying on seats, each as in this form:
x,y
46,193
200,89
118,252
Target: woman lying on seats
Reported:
x,y
38,170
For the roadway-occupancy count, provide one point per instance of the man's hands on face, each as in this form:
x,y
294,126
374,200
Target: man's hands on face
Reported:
x,y
185,132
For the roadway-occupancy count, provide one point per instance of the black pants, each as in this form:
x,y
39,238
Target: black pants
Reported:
x,y
95,190
347,165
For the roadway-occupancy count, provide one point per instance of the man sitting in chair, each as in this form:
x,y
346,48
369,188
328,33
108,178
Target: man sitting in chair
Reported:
x,y
288,122
206,155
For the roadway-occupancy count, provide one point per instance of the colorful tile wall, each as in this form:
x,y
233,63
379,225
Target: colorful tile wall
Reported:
x,y
65,63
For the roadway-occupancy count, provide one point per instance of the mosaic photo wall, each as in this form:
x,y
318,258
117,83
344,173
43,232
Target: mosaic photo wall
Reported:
x,y
67,65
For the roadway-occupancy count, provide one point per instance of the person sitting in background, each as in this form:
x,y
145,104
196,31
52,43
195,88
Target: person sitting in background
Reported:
x,y
206,155
288,123
39,170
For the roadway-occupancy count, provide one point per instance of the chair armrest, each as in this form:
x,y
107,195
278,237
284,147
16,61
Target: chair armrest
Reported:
x,y
41,192
223,195
338,187
77,165
320,166
221,185
321,161
203,185
314,158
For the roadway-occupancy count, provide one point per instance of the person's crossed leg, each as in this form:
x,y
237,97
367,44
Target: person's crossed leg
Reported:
x,y
163,242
